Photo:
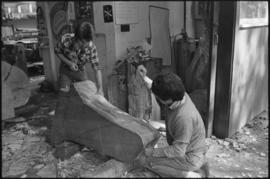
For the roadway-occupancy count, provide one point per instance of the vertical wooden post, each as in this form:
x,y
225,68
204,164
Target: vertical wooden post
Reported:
x,y
51,44
225,53
213,67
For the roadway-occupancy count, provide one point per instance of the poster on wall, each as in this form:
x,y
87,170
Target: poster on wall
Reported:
x,y
126,13
160,34
107,13
59,20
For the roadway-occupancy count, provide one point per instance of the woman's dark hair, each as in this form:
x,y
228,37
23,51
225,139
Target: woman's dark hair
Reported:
x,y
84,30
168,85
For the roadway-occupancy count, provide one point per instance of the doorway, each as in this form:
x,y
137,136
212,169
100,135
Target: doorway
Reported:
x,y
196,57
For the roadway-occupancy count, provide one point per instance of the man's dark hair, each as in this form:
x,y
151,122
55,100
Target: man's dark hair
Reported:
x,y
84,30
168,85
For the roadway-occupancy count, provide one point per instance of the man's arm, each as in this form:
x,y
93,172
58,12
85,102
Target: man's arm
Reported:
x,y
64,59
142,71
148,82
95,64
182,135
98,78
171,151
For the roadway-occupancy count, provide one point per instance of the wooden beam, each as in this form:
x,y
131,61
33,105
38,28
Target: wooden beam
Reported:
x,y
227,18
51,44
213,67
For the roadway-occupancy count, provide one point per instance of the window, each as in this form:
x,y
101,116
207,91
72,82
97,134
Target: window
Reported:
x,y
253,13
7,31
24,8
34,8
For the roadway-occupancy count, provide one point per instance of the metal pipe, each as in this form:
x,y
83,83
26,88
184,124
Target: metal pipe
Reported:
x,y
185,16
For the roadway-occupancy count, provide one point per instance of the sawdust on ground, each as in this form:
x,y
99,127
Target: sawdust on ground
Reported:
x,y
27,153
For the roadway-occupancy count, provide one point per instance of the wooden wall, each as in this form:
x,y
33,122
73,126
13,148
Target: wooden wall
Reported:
x,y
249,90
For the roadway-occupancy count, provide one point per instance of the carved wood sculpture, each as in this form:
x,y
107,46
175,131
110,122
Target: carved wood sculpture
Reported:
x,y
89,119
128,92
139,96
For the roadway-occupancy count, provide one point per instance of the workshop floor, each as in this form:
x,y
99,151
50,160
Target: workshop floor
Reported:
x,y
244,155
27,153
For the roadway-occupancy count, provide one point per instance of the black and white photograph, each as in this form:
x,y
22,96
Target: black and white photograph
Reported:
x,y
135,89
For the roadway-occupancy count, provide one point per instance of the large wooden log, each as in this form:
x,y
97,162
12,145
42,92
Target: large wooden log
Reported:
x,y
89,119
18,82
14,76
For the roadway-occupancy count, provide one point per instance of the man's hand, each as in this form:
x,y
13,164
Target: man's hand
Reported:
x,y
74,57
162,129
149,151
140,160
74,67
142,71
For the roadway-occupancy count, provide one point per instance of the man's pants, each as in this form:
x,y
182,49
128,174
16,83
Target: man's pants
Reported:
x,y
67,77
175,167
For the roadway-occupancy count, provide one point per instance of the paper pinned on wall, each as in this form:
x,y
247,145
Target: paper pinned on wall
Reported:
x,y
126,13
160,34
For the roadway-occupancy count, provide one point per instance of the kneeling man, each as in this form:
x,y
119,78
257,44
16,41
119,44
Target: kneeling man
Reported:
x,y
185,130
